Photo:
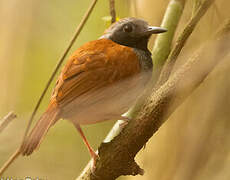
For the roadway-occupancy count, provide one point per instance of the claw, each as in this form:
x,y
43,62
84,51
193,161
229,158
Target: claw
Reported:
x,y
125,122
95,157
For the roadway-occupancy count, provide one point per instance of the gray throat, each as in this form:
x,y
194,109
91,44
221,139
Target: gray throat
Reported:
x,y
145,59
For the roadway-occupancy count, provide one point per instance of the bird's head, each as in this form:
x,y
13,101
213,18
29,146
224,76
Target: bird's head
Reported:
x,y
132,32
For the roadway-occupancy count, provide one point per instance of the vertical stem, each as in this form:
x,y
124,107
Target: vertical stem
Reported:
x,y
112,10
163,42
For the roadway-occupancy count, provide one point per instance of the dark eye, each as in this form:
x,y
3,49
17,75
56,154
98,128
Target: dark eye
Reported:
x,y
127,28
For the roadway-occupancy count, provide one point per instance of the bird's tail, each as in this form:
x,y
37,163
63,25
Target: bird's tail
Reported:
x,y
39,131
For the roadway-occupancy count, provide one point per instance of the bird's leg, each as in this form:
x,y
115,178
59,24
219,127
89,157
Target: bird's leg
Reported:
x,y
93,154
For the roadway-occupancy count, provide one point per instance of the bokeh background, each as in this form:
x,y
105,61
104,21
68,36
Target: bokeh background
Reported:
x,y
192,145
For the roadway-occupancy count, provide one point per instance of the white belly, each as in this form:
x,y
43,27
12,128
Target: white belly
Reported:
x,y
107,103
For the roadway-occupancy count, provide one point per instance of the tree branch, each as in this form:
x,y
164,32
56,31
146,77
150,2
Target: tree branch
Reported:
x,y
6,120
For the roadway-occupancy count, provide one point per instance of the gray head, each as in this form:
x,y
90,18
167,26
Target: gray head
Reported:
x,y
132,32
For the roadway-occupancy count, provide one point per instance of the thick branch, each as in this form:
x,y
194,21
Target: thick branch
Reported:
x,y
6,120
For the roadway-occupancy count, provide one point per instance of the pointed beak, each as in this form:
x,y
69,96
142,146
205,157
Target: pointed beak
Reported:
x,y
154,30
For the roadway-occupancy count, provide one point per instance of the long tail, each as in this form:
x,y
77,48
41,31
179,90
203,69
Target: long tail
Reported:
x,y
39,131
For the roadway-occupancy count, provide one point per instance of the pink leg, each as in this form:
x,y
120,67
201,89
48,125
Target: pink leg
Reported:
x,y
91,151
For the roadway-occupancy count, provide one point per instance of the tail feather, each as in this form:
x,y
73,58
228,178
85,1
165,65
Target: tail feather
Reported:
x,y
39,131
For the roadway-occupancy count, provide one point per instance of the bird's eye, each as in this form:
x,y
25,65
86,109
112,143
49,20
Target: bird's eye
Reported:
x,y
127,28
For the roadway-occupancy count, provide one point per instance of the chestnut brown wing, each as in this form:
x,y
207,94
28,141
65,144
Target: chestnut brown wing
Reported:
x,y
95,65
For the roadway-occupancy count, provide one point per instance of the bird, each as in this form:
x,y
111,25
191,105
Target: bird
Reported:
x,y
100,81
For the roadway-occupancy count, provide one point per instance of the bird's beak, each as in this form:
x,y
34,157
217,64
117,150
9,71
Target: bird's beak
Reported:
x,y
154,30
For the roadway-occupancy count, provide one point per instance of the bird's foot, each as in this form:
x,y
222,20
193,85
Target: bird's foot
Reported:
x,y
95,157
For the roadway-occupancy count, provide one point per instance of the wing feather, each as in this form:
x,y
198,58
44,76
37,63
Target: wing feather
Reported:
x,y
93,67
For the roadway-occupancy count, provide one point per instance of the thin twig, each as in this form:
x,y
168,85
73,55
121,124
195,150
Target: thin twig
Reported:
x,y
112,11
6,120
182,39
78,30
9,161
